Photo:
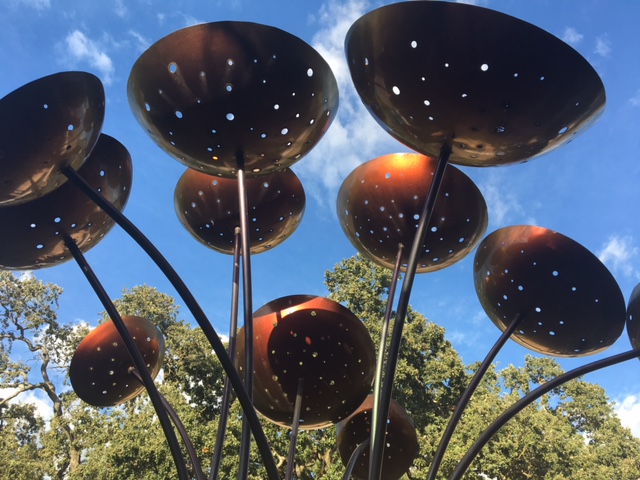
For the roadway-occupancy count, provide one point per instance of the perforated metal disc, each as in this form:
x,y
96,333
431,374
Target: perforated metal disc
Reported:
x,y
45,125
503,88
319,340
380,203
570,303
210,93
633,318
401,441
99,369
208,208
32,233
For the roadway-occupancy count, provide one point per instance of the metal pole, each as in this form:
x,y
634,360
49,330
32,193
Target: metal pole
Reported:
x,y
295,427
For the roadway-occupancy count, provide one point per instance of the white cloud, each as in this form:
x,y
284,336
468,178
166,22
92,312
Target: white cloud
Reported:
x,y
617,254
141,42
81,48
635,100
43,406
572,36
503,206
603,46
628,410
354,136
121,9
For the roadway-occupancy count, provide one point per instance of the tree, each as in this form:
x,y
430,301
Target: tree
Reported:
x,y
570,433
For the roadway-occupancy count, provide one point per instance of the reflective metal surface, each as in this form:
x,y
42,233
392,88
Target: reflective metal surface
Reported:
x,y
33,232
99,370
633,317
505,89
401,440
380,202
314,339
211,93
45,125
208,208
570,302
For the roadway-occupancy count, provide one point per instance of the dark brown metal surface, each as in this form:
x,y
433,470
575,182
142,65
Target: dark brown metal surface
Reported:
x,y
633,317
32,233
210,93
401,441
570,303
45,125
505,89
380,202
99,370
208,208
318,340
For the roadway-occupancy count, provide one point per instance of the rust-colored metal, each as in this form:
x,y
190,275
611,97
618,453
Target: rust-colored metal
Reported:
x,y
504,89
318,340
401,440
208,208
633,317
45,125
215,94
100,370
570,303
33,232
380,203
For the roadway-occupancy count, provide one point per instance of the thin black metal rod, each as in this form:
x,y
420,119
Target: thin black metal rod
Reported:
x,y
466,396
354,458
245,439
135,354
375,462
532,396
195,309
233,335
384,333
295,427
191,451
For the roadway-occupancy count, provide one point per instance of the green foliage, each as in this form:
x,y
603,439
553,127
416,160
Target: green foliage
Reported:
x,y
570,433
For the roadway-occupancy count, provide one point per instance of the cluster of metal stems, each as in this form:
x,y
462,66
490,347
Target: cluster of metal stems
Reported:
x,y
239,112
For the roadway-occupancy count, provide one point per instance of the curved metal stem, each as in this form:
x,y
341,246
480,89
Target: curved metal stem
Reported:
x,y
377,449
384,333
191,451
295,427
245,441
354,458
196,311
466,396
135,354
532,396
233,335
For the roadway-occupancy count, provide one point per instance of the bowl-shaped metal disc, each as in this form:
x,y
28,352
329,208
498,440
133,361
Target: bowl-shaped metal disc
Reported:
x,y
319,341
210,93
503,88
46,125
208,207
33,233
401,441
99,370
570,303
633,317
380,203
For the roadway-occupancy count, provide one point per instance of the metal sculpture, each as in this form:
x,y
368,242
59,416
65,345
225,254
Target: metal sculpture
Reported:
x,y
240,102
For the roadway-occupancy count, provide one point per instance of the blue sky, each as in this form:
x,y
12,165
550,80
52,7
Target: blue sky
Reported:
x,y
585,190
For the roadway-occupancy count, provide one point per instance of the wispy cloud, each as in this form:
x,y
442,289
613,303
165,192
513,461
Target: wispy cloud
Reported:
x,y
618,253
503,206
603,46
354,136
635,100
628,410
121,9
81,49
141,42
572,36
38,5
